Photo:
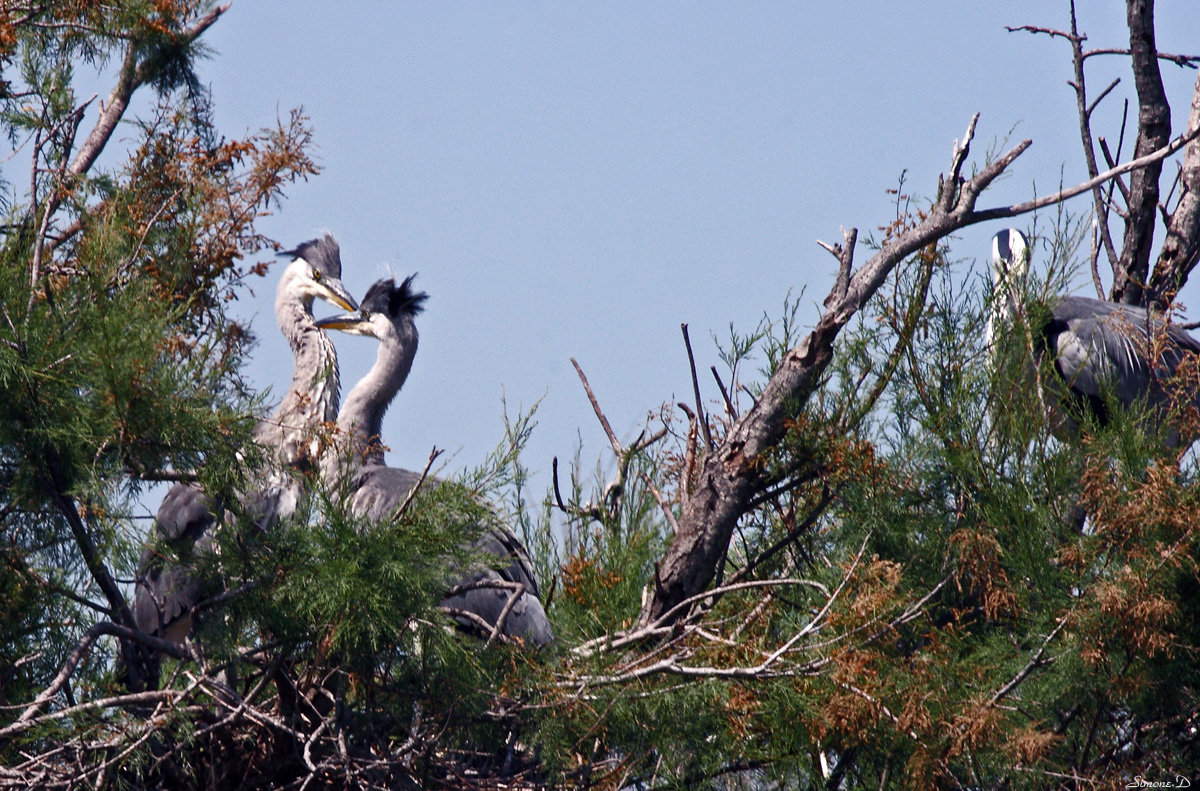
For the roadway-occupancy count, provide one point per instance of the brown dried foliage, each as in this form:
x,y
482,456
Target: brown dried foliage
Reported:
x,y
980,573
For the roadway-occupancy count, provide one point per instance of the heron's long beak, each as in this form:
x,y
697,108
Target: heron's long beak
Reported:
x,y
355,320
337,294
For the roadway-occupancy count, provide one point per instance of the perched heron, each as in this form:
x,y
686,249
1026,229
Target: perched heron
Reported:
x,y
376,490
165,592
1102,352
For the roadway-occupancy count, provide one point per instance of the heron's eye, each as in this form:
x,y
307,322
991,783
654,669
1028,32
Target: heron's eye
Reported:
x,y
316,276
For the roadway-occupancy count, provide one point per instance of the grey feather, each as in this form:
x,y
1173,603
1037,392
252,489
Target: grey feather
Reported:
x,y
168,589
377,491
1100,350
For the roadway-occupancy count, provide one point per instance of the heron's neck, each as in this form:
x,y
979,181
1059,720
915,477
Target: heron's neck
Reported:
x,y
360,421
1003,312
312,396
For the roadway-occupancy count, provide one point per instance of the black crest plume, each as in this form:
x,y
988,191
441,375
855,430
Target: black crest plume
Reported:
x,y
384,296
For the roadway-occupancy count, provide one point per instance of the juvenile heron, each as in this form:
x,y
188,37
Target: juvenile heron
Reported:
x,y
387,314
166,592
1101,352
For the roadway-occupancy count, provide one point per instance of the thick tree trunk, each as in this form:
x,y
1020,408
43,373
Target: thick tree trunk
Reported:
x,y
1154,132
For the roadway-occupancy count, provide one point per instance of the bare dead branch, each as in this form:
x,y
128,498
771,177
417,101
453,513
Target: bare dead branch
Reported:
x,y
612,438
730,412
845,257
1084,114
1051,32
700,413
661,503
1183,61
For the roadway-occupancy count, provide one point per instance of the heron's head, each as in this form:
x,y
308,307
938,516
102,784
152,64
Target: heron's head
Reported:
x,y
385,308
1010,258
316,273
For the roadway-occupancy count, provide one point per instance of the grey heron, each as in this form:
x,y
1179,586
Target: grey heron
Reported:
x,y
356,464
1101,353
166,592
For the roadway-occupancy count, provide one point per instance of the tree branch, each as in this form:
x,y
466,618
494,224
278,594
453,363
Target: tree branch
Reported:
x,y
732,473
1085,133
131,76
1181,248
1154,130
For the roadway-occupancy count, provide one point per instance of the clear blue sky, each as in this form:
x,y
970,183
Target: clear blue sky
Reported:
x,y
577,179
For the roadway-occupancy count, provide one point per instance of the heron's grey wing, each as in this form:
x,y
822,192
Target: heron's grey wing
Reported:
x,y
165,594
509,562
166,590
1104,348
379,491
527,619
506,561
512,561
186,513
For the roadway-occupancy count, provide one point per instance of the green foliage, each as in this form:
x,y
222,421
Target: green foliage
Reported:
x,y
913,597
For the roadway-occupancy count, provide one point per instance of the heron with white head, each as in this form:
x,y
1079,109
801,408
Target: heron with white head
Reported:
x,y
166,592
1100,353
504,592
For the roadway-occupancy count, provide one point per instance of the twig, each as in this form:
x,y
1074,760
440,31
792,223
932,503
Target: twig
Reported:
x,y
612,438
1092,107
1049,200
661,503
730,412
433,454
557,494
696,388
516,589
474,618
1111,162
1035,662
1094,260
620,640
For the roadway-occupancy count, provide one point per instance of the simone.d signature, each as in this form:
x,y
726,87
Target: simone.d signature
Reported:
x,y
1179,782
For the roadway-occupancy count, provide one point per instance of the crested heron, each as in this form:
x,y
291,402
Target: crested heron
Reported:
x,y
166,592
1102,353
505,593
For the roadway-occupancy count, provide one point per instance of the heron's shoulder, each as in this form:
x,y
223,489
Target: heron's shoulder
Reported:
x,y
380,476
1098,318
185,511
